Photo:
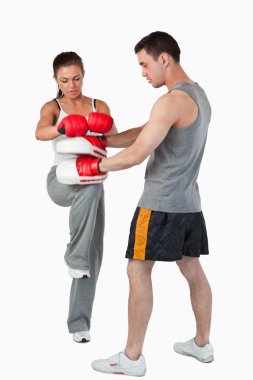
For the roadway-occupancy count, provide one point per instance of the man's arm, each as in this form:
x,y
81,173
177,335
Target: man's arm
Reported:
x,y
165,113
124,139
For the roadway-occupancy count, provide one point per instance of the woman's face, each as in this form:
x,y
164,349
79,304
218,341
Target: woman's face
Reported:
x,y
70,80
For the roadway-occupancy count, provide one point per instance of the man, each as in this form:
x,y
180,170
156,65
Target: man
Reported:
x,y
168,224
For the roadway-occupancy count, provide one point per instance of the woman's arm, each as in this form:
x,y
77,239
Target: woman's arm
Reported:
x,y
46,130
104,108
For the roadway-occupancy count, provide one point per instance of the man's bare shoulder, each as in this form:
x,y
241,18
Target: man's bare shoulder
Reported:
x,y
171,100
176,100
175,95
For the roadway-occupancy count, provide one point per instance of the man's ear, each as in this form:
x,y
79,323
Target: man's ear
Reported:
x,y
165,59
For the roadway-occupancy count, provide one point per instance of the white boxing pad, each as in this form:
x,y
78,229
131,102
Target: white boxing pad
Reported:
x,y
66,173
79,145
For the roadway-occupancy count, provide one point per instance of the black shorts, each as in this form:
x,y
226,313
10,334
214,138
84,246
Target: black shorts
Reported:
x,y
163,236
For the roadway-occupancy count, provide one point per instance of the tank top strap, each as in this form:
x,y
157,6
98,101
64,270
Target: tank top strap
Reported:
x,y
191,89
94,105
58,103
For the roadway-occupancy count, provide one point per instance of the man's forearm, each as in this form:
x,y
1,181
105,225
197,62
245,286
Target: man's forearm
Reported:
x,y
124,139
125,159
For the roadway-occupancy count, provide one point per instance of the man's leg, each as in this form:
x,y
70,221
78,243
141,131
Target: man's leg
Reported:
x,y
201,297
131,361
139,306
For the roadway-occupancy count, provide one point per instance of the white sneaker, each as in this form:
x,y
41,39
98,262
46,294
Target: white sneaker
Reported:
x,y
204,354
81,336
120,364
78,273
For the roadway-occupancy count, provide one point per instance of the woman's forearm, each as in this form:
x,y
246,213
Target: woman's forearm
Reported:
x,y
46,133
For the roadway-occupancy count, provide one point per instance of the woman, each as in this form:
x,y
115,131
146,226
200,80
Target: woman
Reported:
x,y
86,202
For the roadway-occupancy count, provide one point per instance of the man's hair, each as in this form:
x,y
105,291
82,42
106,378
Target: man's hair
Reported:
x,y
159,42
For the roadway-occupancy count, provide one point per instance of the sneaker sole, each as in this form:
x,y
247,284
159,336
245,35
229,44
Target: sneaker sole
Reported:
x,y
82,341
209,359
78,277
119,373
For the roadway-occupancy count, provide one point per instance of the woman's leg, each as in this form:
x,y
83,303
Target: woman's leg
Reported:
x,y
87,224
82,221
83,290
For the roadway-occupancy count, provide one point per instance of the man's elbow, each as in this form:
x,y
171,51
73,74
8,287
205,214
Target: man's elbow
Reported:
x,y
137,159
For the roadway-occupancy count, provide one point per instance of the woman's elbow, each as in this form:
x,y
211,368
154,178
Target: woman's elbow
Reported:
x,y
38,135
113,131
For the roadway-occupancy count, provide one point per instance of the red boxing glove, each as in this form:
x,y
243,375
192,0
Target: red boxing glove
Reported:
x,y
100,122
73,125
80,171
88,166
97,141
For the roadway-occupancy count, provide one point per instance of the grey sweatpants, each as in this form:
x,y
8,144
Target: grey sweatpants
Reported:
x,y
85,248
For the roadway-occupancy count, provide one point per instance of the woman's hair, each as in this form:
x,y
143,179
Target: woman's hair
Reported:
x,y
64,59
159,42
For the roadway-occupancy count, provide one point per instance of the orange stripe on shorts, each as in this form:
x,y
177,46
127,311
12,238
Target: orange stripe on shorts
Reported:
x,y
141,233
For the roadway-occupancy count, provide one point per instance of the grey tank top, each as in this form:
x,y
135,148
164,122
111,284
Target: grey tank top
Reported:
x,y
173,167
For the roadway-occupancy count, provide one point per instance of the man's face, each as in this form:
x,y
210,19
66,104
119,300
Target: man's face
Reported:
x,y
152,70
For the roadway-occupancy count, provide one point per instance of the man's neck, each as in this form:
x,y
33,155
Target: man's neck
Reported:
x,y
176,75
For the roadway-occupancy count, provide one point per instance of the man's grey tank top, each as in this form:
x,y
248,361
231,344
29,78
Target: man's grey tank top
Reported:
x,y
173,167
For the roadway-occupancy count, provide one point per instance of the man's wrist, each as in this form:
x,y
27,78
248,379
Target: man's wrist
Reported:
x,y
99,165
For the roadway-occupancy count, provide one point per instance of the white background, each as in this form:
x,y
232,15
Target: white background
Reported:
x,y
216,42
